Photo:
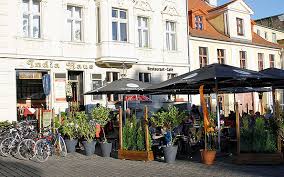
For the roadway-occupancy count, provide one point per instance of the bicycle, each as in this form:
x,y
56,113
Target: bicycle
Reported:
x,y
49,145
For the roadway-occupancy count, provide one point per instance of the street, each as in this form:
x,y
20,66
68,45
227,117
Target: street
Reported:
x,y
78,165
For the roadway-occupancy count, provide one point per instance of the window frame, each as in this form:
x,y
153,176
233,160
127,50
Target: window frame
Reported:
x,y
96,97
243,61
141,29
220,57
170,34
203,56
119,21
240,26
144,76
73,22
31,15
271,62
198,22
274,37
260,61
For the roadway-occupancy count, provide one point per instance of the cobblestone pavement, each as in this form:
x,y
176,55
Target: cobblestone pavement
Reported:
x,y
78,165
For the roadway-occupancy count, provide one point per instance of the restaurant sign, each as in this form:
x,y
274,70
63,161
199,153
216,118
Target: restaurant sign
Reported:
x,y
48,64
30,75
160,69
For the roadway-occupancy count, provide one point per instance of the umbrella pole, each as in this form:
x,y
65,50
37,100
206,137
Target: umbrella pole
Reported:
x,y
218,116
234,101
124,110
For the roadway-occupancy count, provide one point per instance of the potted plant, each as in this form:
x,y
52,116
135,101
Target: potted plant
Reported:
x,y
87,131
69,130
208,154
101,115
168,120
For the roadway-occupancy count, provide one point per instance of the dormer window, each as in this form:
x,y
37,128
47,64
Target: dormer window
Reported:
x,y
199,22
240,26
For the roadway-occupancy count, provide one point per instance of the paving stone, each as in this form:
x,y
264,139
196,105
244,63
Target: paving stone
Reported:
x,y
78,165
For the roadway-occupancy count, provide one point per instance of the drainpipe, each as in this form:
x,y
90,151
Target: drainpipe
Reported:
x,y
187,34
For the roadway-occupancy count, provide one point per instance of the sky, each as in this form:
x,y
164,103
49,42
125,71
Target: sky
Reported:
x,y
262,8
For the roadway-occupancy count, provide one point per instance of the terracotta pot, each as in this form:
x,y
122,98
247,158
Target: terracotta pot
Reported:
x,y
207,157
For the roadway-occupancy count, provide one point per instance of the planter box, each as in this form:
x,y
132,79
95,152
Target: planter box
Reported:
x,y
259,158
135,155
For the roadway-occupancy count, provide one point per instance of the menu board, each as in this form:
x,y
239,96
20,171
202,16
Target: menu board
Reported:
x,y
46,118
60,90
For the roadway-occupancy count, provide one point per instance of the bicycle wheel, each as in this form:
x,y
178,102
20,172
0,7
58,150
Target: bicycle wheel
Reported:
x,y
42,150
5,146
60,147
26,149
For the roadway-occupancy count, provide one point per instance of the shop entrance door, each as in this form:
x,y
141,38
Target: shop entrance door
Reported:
x,y
76,80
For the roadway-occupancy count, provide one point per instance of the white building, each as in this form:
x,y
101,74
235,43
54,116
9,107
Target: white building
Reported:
x,y
86,43
225,34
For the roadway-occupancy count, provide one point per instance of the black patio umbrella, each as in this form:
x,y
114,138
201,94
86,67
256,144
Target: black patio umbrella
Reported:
x,y
216,74
121,86
275,72
215,77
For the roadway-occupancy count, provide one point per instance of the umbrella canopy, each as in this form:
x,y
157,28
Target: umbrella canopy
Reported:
x,y
279,73
137,98
121,86
224,75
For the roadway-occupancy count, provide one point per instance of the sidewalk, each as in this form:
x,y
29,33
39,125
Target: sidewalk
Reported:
x,y
78,165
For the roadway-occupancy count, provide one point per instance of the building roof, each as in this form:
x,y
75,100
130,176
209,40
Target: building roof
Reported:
x,y
222,6
211,33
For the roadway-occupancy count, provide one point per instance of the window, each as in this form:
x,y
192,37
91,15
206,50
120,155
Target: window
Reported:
x,y
203,58
265,35
258,32
271,61
110,77
143,32
97,83
171,75
171,35
274,38
119,25
260,61
243,58
74,21
240,26
221,56
145,77
31,18
98,25
198,22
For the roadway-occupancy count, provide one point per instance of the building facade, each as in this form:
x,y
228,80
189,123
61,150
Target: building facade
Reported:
x,y
82,45
225,34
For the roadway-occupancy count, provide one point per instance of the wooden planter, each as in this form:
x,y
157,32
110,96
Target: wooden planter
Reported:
x,y
146,155
259,158
135,155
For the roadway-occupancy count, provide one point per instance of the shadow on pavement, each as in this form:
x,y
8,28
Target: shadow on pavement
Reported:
x,y
17,168
226,163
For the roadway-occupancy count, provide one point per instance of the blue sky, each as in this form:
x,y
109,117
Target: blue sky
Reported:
x,y
263,8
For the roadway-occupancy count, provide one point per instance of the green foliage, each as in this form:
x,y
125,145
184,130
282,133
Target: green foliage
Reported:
x,y
133,135
170,118
101,115
86,129
5,124
258,138
140,137
69,128
211,139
